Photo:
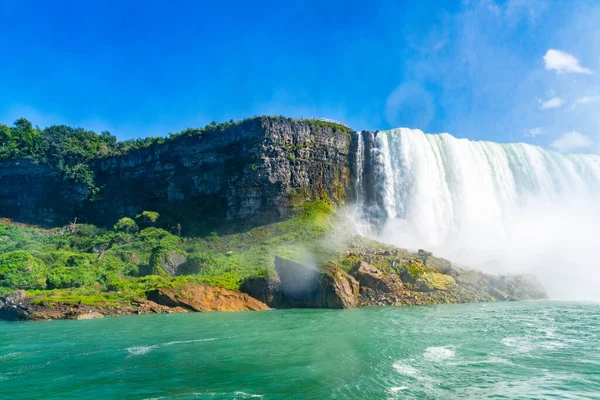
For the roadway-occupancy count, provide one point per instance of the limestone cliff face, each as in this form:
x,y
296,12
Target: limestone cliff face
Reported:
x,y
249,174
35,194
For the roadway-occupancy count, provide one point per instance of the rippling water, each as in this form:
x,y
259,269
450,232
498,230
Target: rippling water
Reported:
x,y
527,350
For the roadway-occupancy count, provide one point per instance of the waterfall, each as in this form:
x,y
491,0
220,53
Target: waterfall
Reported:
x,y
359,168
505,207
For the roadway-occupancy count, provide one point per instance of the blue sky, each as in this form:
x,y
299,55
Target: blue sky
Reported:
x,y
513,70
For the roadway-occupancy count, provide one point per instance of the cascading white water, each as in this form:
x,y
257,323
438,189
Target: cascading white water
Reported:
x,y
497,207
360,161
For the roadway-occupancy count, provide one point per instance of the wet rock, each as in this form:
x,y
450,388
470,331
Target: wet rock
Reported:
x,y
372,278
267,290
308,287
377,288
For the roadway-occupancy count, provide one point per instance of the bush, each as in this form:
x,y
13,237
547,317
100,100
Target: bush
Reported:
x,y
20,270
65,277
126,225
147,218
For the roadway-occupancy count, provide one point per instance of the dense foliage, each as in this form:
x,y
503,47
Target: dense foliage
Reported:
x,y
87,263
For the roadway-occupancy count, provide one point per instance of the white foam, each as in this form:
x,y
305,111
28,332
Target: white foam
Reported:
x,y
397,389
249,395
141,350
439,353
525,345
405,369
9,355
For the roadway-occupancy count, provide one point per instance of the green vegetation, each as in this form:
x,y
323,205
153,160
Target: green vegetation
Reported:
x,y
98,266
147,218
126,225
325,124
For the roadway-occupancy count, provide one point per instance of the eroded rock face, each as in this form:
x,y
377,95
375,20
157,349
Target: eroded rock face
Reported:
x,y
204,298
267,290
375,287
339,290
370,277
34,194
306,287
244,176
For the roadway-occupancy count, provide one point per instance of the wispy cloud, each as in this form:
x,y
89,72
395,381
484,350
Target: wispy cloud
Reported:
x,y
555,102
583,100
563,62
571,141
533,132
410,104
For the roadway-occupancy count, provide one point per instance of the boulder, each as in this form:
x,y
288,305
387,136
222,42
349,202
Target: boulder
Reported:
x,y
338,289
307,287
369,277
267,290
18,297
204,298
377,288
89,315
165,261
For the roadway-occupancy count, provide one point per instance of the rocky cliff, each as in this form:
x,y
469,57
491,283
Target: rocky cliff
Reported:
x,y
251,173
34,194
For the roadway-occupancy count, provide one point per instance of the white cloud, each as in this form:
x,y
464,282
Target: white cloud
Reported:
x,y
582,100
564,63
554,102
533,132
571,141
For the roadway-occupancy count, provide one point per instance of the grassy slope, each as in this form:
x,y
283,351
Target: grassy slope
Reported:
x,y
83,262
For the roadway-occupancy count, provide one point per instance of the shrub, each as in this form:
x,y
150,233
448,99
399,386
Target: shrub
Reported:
x,y
20,270
65,277
126,225
147,218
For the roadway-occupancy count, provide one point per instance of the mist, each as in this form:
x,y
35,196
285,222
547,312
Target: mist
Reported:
x,y
498,208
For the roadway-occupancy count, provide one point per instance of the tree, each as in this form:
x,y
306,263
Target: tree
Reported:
x,y
147,218
126,225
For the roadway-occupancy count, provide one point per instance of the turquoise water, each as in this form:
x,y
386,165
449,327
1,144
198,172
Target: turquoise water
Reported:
x,y
527,350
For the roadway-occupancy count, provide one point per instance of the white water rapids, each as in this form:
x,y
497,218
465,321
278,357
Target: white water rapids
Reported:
x,y
500,208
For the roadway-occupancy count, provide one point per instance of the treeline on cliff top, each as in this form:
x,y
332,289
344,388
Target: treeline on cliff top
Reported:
x,y
71,150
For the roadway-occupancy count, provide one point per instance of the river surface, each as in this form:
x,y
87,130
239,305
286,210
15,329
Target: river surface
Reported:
x,y
526,350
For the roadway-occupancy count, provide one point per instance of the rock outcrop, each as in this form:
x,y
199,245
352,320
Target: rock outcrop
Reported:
x,y
204,298
267,290
309,287
166,261
375,287
190,297
19,307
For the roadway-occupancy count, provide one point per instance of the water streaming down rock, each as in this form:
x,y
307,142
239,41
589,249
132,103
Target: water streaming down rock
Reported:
x,y
505,207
